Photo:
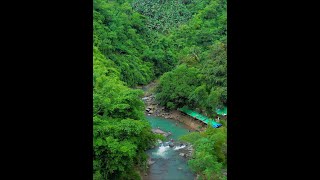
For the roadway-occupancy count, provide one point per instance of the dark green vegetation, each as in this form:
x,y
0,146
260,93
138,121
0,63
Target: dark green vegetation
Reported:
x,y
181,42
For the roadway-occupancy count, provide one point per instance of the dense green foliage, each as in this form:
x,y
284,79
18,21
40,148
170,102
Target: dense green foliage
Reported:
x,y
121,35
200,81
210,156
163,14
121,134
136,41
117,34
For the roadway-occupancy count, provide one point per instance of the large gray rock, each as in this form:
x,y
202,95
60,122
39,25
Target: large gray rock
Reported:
x,y
159,131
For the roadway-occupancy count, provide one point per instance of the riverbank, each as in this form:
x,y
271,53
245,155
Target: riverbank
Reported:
x,y
154,109
176,165
168,158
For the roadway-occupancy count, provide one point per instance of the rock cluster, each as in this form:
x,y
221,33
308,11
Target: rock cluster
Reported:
x,y
190,151
159,131
186,152
153,108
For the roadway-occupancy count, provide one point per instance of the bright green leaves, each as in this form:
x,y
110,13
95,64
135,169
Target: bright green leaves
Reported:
x,y
199,97
119,35
116,155
199,84
201,44
111,97
99,142
121,135
177,85
209,158
119,145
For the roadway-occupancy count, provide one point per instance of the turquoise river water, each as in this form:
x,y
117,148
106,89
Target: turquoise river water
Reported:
x,y
169,165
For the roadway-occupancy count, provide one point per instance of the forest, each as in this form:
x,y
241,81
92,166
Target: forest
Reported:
x,y
181,45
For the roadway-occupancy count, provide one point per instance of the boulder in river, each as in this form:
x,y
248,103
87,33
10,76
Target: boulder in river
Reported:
x,y
150,162
159,131
182,154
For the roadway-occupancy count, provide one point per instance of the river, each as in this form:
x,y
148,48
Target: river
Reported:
x,y
168,165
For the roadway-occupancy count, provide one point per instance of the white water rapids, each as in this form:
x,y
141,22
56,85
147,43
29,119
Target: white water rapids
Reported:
x,y
179,147
162,150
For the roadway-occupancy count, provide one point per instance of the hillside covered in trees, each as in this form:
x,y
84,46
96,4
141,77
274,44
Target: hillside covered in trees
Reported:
x,y
183,45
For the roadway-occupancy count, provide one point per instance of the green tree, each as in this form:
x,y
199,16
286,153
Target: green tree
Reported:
x,y
176,86
136,41
210,156
120,134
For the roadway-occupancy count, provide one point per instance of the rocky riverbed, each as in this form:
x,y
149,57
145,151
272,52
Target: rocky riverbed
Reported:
x,y
168,159
154,109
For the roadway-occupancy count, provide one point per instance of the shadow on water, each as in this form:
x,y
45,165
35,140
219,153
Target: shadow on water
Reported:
x,y
169,165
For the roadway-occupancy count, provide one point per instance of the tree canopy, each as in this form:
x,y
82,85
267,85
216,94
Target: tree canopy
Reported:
x,y
201,55
182,43
121,133
210,154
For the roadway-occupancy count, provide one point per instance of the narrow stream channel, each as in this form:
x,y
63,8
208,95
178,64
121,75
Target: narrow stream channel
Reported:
x,y
168,165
